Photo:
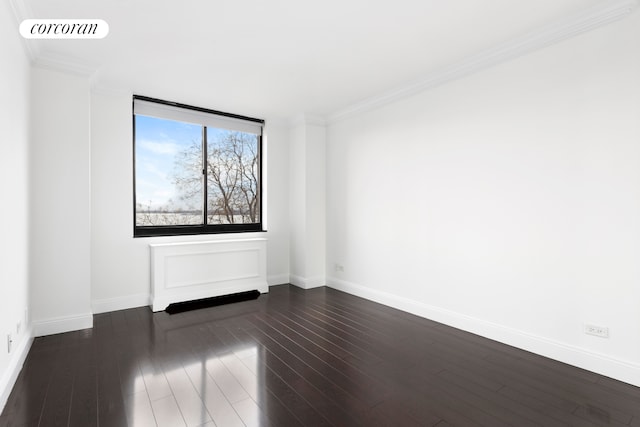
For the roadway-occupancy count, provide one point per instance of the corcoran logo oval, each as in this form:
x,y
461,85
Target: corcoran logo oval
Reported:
x,y
64,29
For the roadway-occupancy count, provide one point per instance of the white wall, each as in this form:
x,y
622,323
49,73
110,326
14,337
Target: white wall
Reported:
x,y
316,170
307,209
120,271
60,201
276,162
14,196
297,205
506,203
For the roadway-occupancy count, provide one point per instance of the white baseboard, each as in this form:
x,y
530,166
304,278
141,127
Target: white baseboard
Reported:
x,y
8,379
277,279
120,303
583,358
307,282
62,324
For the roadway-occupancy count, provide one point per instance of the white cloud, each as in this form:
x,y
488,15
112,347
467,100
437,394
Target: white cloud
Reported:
x,y
158,173
169,148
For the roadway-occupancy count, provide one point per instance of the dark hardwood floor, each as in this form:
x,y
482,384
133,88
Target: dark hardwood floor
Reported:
x,y
301,358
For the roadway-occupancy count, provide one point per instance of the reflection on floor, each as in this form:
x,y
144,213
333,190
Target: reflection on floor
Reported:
x,y
294,357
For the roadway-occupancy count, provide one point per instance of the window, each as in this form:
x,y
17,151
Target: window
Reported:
x,y
196,171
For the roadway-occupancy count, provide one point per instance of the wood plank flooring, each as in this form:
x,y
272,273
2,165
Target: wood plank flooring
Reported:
x,y
301,358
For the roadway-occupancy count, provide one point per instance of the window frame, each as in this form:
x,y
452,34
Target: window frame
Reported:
x,y
205,228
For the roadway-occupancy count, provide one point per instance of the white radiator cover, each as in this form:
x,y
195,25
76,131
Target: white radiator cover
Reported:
x,y
194,270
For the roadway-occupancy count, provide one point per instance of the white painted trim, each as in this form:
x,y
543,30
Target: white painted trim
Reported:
x,y
307,282
600,363
316,282
277,279
48,60
296,280
120,303
65,64
62,324
601,14
8,379
186,271
22,11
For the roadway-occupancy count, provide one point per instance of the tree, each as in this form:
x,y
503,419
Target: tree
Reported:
x,y
232,177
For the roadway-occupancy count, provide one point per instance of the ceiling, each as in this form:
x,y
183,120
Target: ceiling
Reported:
x,y
279,58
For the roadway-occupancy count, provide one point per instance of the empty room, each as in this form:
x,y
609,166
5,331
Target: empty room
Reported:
x,y
286,213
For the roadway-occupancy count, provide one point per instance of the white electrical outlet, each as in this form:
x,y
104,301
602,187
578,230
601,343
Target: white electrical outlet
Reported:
x,y
340,268
9,342
598,331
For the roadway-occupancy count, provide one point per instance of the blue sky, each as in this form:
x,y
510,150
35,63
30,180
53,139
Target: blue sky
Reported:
x,y
158,141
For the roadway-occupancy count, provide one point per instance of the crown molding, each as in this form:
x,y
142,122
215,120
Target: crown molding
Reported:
x,y
65,64
21,11
43,59
587,20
